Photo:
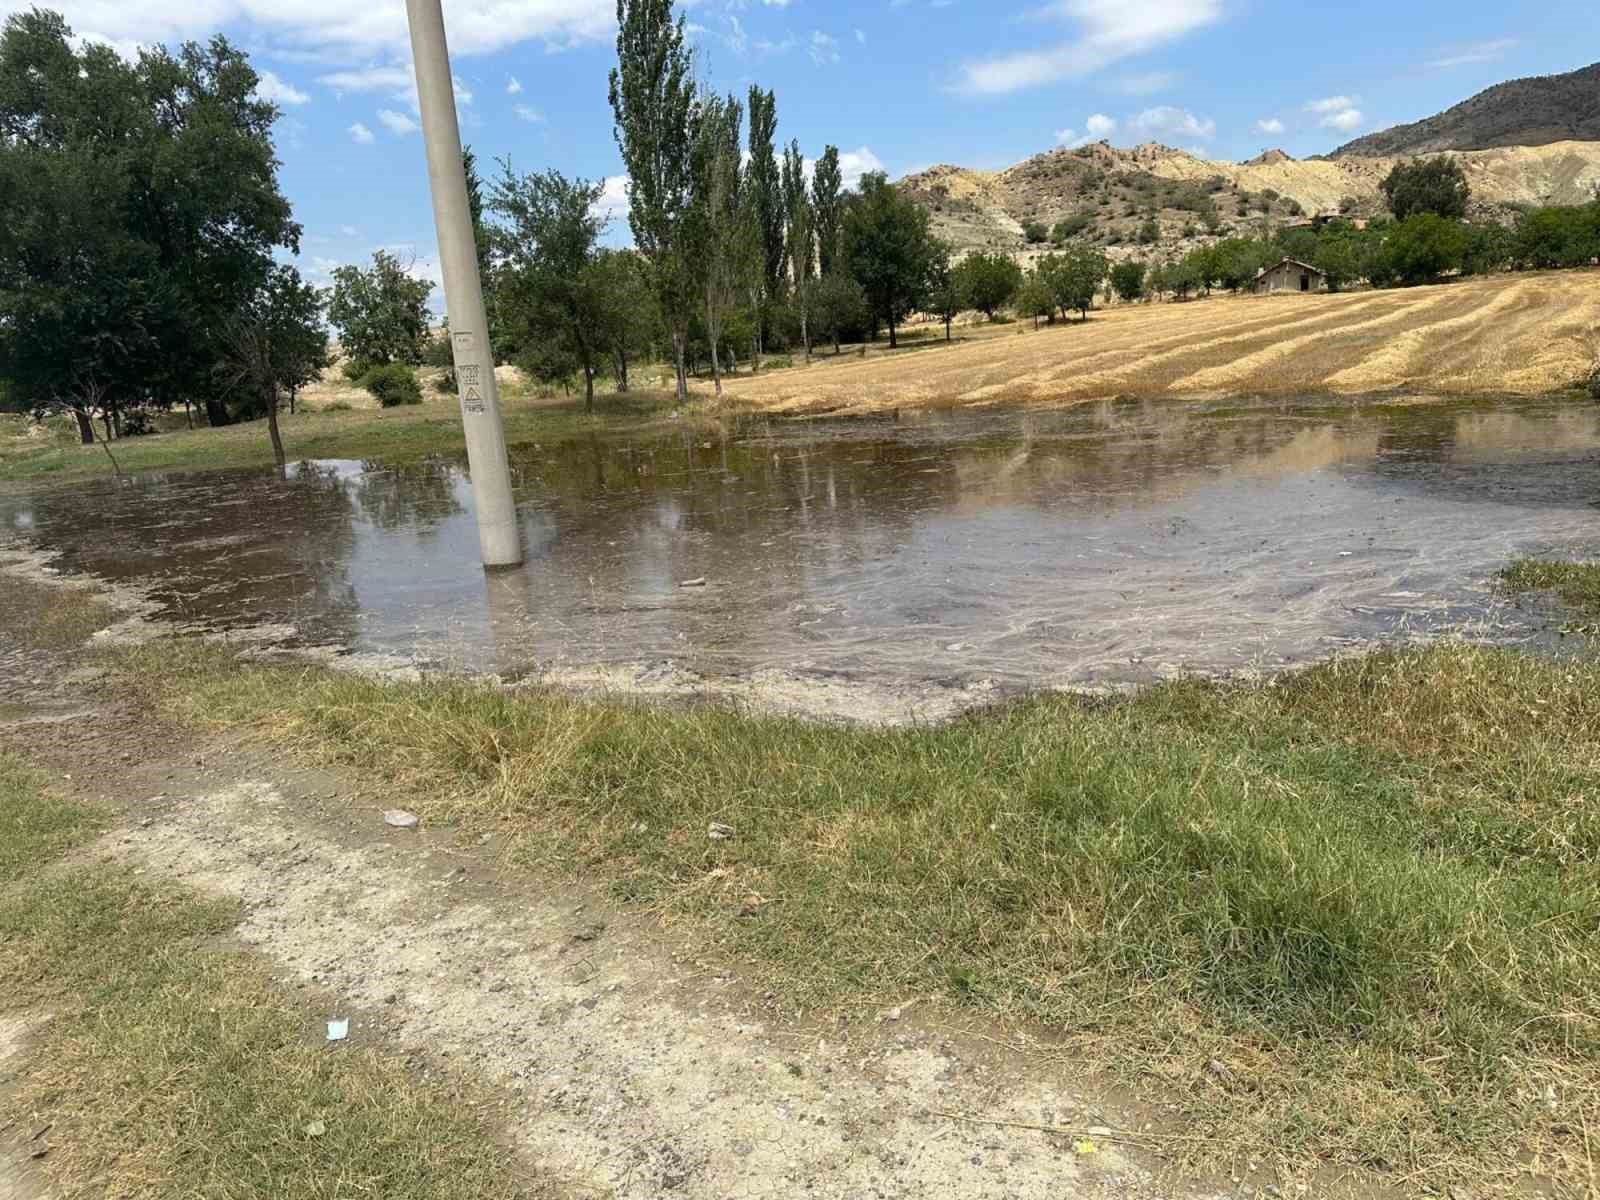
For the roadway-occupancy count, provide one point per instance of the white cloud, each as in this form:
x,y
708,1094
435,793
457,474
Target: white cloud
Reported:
x,y
1070,138
861,37
853,164
270,87
1164,121
1108,31
513,86
824,48
392,79
1476,52
1269,125
1337,112
1099,125
349,231
613,203
346,28
397,123
526,112
361,134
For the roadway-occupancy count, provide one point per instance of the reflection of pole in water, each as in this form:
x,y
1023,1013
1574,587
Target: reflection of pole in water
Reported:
x,y
463,290
507,603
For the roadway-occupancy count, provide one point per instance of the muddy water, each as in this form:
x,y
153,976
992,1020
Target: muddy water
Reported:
x,y
1109,544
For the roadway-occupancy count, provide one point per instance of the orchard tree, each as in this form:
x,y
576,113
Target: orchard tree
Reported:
x,y
275,344
548,238
989,281
628,317
838,304
1433,185
1073,277
947,295
888,248
381,312
1127,278
1034,298
653,100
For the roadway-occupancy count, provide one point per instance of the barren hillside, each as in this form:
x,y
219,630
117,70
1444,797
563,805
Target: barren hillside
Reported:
x,y
1115,192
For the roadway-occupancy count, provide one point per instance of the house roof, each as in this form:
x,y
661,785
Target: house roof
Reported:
x,y
1289,262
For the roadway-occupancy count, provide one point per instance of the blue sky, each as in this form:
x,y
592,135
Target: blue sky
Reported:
x,y
897,84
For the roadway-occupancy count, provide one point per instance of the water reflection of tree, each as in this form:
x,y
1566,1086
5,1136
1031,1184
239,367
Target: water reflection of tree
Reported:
x,y
416,496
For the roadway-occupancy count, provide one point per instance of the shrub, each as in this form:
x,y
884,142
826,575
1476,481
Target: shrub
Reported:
x,y
393,385
356,369
445,383
1035,232
338,406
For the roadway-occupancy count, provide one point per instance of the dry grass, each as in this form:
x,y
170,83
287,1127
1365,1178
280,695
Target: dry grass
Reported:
x,y
169,1069
1518,334
1370,891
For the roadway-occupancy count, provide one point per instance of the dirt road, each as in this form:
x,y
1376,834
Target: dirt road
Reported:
x,y
1524,334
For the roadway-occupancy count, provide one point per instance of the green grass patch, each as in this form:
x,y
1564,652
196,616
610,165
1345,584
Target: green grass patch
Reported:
x,y
1370,890
168,1069
393,435
1578,584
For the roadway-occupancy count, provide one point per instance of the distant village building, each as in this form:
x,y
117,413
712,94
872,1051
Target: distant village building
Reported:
x,y
1290,275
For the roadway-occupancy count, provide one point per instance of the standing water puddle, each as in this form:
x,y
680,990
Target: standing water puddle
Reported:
x,y
1109,544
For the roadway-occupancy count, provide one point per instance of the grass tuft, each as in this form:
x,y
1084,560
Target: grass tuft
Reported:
x,y
1576,583
169,1069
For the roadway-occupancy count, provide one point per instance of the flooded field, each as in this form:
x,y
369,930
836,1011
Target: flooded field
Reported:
x,y
937,558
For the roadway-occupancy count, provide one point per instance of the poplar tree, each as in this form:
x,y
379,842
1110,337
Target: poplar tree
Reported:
x,y
800,246
827,200
652,97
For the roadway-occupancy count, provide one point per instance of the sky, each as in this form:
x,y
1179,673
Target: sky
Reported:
x,y
898,85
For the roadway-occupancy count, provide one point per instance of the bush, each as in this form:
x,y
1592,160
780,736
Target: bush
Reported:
x,y
1035,232
445,383
393,385
356,369
338,406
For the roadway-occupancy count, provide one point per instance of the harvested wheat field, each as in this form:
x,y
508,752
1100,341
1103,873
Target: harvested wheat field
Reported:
x,y
1522,334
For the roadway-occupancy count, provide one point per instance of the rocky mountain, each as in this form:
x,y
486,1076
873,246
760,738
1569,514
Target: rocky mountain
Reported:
x,y
1522,112
1155,200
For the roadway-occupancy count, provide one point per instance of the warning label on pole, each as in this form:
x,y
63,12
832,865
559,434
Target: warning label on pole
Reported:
x,y
470,382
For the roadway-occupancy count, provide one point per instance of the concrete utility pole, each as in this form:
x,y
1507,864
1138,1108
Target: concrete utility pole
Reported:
x,y
463,291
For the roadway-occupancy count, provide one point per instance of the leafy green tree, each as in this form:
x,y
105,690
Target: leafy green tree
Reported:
x,y
139,210
1237,261
1128,279
889,249
1073,277
1489,248
989,281
1558,237
653,101
1339,257
628,320
549,238
838,304
1434,185
827,205
800,237
1034,298
276,344
947,295
381,312
1420,249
